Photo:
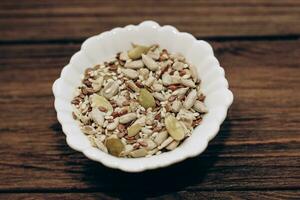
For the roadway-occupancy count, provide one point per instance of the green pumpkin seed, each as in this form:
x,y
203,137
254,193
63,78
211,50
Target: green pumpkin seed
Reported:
x,y
134,129
174,128
137,51
146,99
100,101
114,146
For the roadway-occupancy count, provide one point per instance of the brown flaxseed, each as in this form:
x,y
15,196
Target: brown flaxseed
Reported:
x,y
172,98
102,109
157,117
201,97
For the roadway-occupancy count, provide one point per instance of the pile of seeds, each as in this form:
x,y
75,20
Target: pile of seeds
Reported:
x,y
143,102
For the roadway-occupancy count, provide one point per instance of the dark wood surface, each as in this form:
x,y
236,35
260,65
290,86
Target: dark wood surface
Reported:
x,y
256,155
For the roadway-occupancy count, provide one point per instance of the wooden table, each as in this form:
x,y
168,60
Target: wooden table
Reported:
x,y
256,155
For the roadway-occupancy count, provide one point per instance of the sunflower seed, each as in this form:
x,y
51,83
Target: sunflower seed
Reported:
x,y
89,130
150,144
101,146
194,73
130,73
160,137
150,81
200,107
150,63
146,131
157,87
97,116
111,89
180,91
124,56
176,105
113,126
154,54
188,83
178,65
132,86
124,119
137,64
159,96
190,99
166,79
172,145
144,72
165,143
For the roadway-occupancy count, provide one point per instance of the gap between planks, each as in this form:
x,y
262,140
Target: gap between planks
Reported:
x,y
91,190
208,38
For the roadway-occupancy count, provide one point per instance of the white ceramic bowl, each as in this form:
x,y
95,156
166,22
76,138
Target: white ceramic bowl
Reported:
x,y
101,47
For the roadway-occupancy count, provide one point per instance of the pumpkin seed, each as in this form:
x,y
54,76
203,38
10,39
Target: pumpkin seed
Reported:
x,y
138,153
134,129
174,128
100,101
114,146
146,99
137,51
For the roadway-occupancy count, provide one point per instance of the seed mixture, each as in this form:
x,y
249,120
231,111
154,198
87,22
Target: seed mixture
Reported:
x,y
143,102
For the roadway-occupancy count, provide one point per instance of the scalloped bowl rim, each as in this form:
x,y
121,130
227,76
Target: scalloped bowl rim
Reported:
x,y
219,97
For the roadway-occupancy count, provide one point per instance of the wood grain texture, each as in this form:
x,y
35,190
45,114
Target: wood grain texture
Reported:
x,y
203,195
256,155
75,20
257,148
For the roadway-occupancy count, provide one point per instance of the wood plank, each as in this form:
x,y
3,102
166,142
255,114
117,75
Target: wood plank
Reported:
x,y
59,20
257,148
263,195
